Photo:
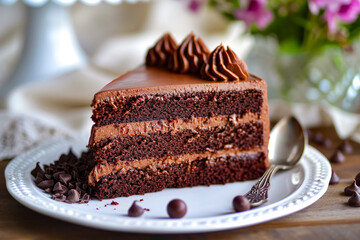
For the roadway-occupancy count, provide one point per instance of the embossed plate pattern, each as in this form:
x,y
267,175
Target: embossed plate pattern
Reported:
x,y
209,208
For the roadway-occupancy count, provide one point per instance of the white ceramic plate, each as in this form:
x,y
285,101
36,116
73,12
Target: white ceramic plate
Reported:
x,y
209,208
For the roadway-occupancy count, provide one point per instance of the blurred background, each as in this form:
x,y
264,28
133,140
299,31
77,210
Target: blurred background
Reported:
x,y
55,54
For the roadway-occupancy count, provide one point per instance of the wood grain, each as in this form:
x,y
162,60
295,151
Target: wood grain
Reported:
x,y
328,218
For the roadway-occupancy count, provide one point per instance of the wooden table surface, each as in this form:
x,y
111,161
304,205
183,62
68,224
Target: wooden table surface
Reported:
x,y
328,218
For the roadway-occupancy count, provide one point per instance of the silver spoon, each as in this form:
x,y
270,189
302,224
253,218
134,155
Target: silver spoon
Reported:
x,y
286,146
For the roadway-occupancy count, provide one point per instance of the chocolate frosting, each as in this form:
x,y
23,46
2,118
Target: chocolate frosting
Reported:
x,y
224,65
160,54
190,56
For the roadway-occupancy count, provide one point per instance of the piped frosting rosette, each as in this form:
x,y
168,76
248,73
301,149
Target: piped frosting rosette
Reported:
x,y
224,65
190,56
159,55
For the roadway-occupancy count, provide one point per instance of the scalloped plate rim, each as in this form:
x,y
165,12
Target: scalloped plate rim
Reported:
x,y
297,200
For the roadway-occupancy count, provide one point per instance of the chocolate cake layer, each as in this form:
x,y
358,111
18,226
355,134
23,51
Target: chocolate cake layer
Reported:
x,y
178,105
160,145
205,171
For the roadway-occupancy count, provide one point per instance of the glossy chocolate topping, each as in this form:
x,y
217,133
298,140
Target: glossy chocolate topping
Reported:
x,y
190,56
224,65
160,54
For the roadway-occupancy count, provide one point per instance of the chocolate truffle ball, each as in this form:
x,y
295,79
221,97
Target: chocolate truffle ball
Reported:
x,y
176,208
241,203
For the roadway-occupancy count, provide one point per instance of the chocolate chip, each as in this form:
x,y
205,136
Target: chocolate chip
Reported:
x,y
176,208
71,185
39,178
73,196
59,188
85,198
354,200
337,157
318,138
349,190
346,147
46,184
60,198
56,175
357,179
48,190
64,178
241,203
327,143
135,210
37,170
334,178
48,176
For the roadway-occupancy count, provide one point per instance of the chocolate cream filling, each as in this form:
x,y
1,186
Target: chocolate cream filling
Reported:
x,y
103,169
112,131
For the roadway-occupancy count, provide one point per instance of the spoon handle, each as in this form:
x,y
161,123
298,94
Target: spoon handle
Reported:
x,y
259,192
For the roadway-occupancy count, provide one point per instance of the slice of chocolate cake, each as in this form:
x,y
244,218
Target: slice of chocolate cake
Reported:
x,y
189,117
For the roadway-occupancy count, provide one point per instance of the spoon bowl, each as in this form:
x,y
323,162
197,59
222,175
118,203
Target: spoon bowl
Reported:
x,y
287,142
286,147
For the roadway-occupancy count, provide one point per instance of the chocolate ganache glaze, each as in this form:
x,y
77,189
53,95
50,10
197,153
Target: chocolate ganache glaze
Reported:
x,y
160,54
224,65
190,56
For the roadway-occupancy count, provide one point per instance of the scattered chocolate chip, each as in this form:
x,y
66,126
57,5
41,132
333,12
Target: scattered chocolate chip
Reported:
x,y
59,188
64,178
114,203
85,198
73,196
39,178
349,190
354,200
241,203
346,147
48,190
327,143
37,170
56,175
318,138
71,186
60,198
46,184
48,176
337,157
334,178
135,210
357,179
176,208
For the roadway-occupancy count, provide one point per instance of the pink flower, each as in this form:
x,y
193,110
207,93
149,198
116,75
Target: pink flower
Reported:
x,y
345,11
256,12
195,5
